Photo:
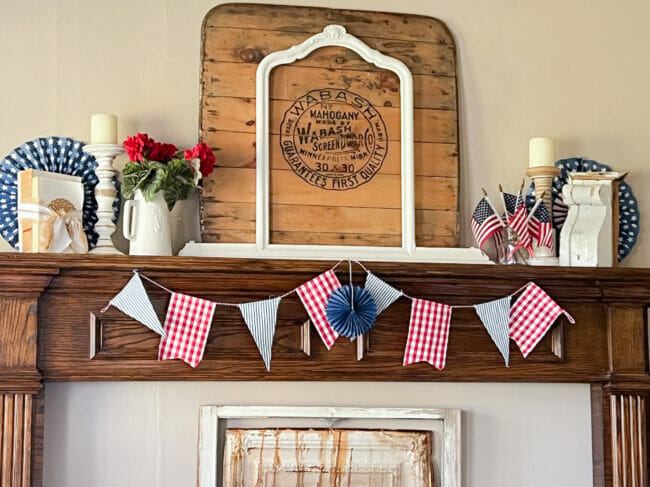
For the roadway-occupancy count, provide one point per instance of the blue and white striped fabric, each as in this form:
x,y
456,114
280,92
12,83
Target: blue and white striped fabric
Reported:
x,y
260,317
495,316
134,301
384,294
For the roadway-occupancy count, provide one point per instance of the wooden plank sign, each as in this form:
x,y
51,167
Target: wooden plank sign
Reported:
x,y
334,128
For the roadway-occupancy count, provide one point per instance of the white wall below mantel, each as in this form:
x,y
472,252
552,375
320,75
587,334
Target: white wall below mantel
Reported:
x,y
131,434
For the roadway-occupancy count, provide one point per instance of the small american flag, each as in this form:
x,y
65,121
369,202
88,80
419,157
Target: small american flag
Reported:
x,y
485,222
510,203
560,209
540,227
531,317
428,333
518,223
314,295
187,325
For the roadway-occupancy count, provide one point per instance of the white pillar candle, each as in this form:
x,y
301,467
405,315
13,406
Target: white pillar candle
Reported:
x,y
541,152
103,129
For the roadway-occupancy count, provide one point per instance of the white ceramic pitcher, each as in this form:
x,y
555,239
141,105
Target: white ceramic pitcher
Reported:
x,y
146,225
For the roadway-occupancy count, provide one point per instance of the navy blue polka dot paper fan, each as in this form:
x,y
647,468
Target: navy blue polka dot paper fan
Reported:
x,y
347,320
629,221
62,155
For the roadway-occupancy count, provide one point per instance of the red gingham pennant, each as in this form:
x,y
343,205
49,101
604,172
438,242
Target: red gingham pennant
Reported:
x,y
187,325
428,333
531,317
314,295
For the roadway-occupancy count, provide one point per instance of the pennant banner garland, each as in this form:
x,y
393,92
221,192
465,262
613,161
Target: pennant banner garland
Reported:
x,y
134,301
187,325
314,295
531,317
383,293
189,318
260,317
495,316
428,333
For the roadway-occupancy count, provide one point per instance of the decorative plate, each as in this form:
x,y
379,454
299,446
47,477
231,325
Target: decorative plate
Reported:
x,y
628,226
55,154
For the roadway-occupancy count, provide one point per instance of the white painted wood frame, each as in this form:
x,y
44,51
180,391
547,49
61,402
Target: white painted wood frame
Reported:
x,y
334,35
209,467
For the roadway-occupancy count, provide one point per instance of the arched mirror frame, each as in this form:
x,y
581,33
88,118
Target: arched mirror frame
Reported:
x,y
334,35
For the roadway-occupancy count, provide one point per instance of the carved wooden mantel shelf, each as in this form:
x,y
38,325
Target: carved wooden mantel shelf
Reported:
x,y
51,330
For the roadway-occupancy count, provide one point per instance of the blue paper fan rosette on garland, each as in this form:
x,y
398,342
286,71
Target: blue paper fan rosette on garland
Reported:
x,y
54,154
347,320
628,225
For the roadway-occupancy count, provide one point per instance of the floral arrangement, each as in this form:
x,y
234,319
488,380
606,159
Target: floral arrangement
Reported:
x,y
157,166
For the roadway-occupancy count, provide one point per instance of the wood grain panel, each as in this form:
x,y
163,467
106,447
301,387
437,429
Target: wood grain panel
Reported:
x,y
15,440
237,185
17,332
238,115
321,238
238,80
627,325
236,45
310,20
600,445
240,217
36,423
236,149
628,437
236,37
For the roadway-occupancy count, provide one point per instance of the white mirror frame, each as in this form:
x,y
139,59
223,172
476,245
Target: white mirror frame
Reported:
x,y
209,464
334,35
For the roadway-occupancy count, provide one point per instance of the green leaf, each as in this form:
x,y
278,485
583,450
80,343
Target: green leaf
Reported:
x,y
133,176
154,182
175,179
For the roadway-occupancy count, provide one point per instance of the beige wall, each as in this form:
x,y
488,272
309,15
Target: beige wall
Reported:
x,y
576,71
144,434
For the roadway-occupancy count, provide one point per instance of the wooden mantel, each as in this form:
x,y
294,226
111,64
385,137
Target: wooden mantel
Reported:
x,y
51,329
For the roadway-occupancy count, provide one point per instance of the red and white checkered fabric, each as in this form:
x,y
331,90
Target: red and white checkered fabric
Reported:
x,y
314,295
428,333
187,325
531,317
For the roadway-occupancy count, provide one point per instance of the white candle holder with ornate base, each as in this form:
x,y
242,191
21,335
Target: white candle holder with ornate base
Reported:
x,y
106,194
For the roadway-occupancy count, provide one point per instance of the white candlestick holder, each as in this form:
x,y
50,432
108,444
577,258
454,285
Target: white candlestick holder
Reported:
x,y
105,194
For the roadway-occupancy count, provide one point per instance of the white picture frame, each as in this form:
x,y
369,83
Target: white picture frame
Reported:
x,y
335,35
212,421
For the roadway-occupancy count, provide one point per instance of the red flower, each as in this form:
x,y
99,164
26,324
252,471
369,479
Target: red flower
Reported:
x,y
162,152
205,155
137,147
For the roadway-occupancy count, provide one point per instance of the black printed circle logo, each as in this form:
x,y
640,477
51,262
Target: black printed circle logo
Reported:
x,y
333,139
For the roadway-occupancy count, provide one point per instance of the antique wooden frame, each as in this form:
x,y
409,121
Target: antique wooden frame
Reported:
x,y
210,415
334,35
47,333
